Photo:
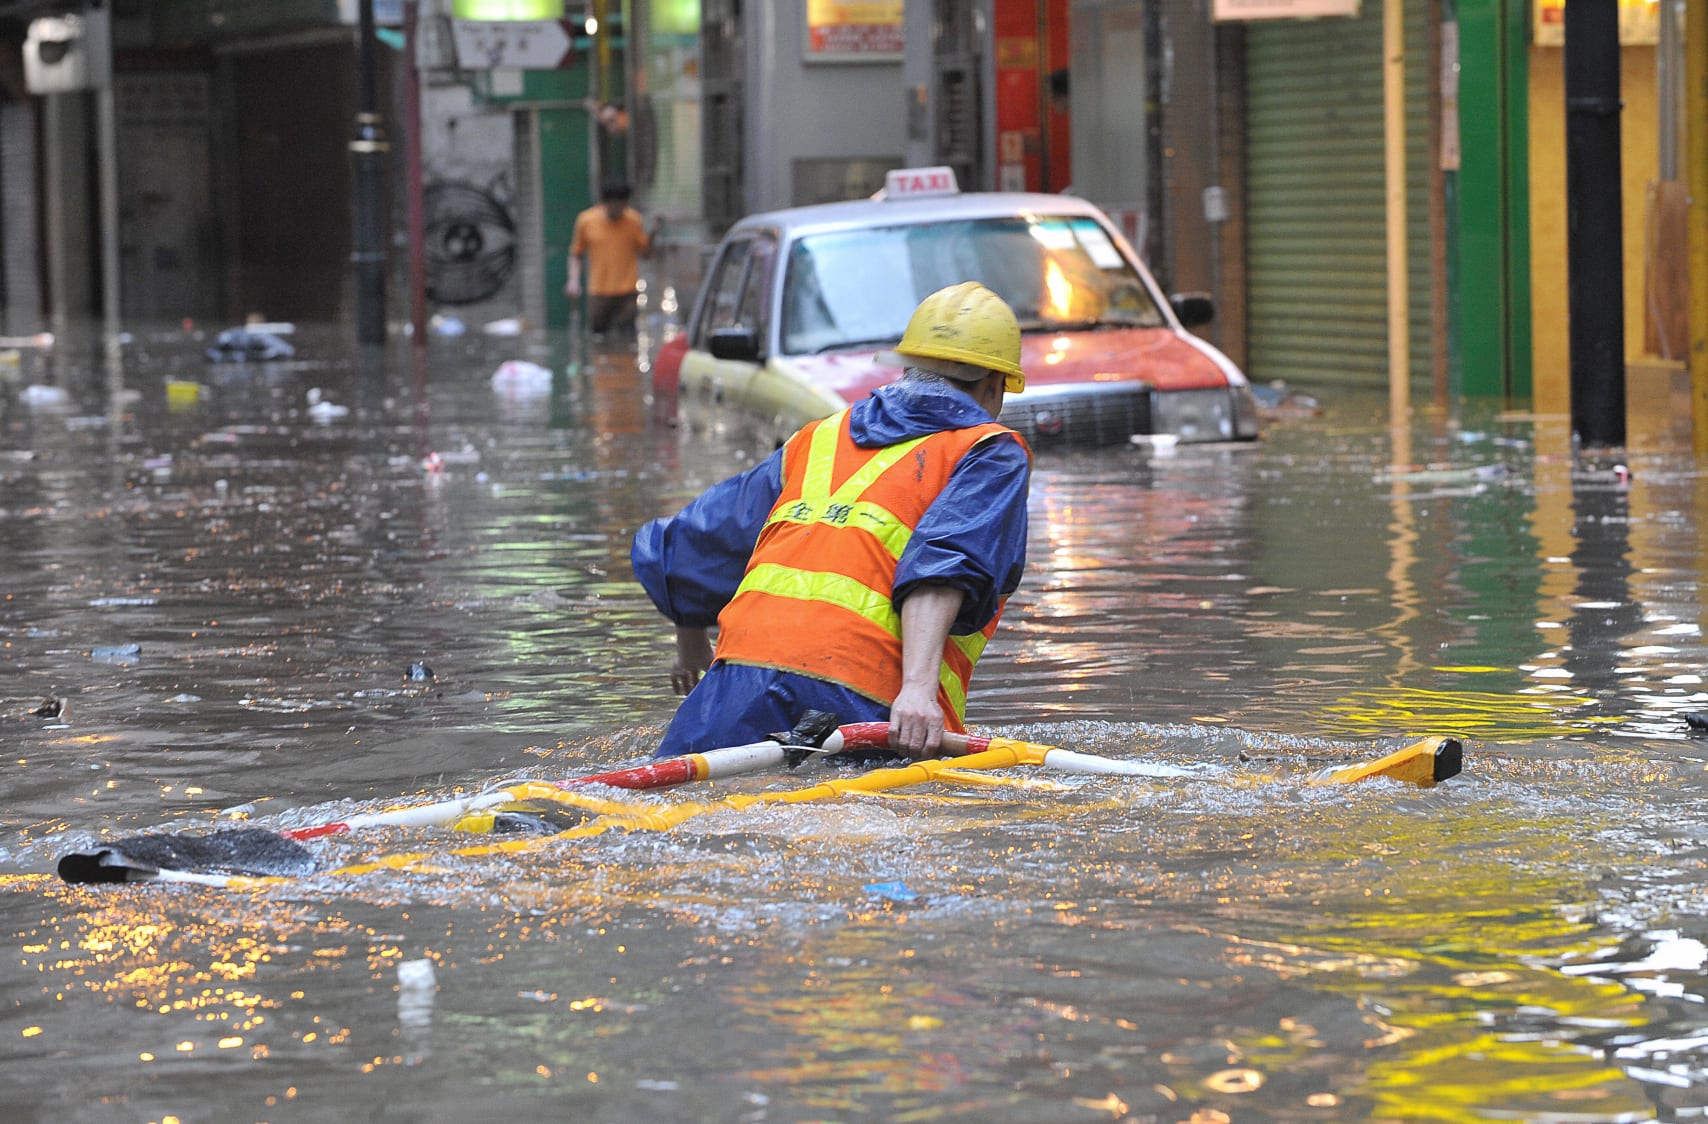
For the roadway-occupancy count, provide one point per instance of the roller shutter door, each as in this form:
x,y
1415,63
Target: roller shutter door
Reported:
x,y
1316,236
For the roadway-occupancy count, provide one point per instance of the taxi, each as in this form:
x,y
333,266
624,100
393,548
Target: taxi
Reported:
x,y
797,304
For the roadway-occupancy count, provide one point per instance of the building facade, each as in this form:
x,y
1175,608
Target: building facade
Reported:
x,y
1243,157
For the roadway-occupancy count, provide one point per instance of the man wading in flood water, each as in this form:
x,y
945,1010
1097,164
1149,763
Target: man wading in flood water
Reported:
x,y
861,568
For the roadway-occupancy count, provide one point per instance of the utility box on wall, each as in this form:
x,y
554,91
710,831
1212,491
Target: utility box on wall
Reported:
x,y
63,54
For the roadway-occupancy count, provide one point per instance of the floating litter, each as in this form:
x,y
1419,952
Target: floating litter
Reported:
x,y
40,395
518,376
415,993
416,975
891,891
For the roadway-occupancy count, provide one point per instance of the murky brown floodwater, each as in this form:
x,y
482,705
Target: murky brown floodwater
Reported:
x,y
225,587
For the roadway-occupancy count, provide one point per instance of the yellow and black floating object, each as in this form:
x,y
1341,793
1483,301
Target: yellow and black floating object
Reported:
x,y
1424,763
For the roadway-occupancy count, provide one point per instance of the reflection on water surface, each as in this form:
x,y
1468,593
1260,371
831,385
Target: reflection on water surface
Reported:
x,y
225,598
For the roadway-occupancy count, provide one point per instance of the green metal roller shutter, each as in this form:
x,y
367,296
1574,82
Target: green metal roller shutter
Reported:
x,y
1317,242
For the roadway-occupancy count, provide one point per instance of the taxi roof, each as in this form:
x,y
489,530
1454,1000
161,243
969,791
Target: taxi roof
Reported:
x,y
863,214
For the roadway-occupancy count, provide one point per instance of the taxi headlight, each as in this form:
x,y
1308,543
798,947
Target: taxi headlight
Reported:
x,y
1195,415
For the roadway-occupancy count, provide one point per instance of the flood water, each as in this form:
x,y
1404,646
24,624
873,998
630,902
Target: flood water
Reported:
x,y
223,573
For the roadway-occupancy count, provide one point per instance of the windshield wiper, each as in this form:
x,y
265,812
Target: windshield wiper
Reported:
x,y
851,345
1086,325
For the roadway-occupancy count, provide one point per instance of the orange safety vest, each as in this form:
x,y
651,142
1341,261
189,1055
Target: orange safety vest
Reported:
x,y
817,595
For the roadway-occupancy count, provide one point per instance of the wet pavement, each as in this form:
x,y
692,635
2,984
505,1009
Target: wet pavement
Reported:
x,y
284,593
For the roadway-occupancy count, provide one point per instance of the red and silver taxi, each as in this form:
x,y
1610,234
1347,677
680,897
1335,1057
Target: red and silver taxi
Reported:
x,y
797,304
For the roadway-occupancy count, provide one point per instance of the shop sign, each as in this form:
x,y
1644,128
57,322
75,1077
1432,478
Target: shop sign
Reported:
x,y
513,44
853,30
1639,23
1228,10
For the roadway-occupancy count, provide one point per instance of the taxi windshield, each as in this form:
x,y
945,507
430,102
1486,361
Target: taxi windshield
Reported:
x,y
858,287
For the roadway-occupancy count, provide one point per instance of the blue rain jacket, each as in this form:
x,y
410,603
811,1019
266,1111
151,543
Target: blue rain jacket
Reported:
x,y
973,537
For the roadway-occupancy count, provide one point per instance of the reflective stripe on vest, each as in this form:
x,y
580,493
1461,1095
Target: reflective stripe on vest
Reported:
x,y
844,507
817,595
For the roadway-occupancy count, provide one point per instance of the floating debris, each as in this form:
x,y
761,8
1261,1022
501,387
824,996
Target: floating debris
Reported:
x,y
1471,475
467,454
518,377
245,850
891,891
181,394
242,345
44,397
1277,398
1617,475
1161,444
322,410
416,976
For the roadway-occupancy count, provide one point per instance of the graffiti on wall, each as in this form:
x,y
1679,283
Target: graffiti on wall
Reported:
x,y
470,241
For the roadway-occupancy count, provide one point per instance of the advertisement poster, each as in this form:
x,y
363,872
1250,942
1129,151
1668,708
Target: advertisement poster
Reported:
x,y
854,30
1639,23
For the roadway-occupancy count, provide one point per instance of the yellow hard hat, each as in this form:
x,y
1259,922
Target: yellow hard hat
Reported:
x,y
967,323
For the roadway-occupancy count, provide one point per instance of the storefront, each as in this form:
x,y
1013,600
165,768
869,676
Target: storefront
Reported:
x,y
1315,199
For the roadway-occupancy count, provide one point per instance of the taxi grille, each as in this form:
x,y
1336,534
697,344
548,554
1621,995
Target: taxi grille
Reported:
x,y
1082,416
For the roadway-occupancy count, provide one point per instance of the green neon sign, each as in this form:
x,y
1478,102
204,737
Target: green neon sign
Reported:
x,y
507,9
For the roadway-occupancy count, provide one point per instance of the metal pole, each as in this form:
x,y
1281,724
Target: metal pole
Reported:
x,y
368,149
56,219
1595,248
1696,161
106,125
1439,320
599,65
412,161
1394,149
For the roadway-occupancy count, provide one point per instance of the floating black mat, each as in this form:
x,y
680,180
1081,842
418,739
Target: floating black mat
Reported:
x,y
140,858
535,819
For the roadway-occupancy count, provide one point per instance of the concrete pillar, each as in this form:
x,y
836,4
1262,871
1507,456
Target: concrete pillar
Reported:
x,y
66,189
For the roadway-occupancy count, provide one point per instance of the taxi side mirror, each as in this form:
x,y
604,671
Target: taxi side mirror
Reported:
x,y
1192,309
740,344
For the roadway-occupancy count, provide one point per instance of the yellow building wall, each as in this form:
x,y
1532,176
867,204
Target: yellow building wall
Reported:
x,y
1640,158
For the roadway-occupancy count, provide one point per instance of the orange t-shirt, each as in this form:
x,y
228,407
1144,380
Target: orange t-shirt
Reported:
x,y
613,250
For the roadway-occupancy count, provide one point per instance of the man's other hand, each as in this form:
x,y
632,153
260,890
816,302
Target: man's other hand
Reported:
x,y
693,657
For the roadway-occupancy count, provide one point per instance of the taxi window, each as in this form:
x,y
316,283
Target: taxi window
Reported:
x,y
723,288
858,288
738,286
754,308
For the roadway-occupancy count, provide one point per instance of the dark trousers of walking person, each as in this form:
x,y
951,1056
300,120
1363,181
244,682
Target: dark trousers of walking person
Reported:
x,y
613,313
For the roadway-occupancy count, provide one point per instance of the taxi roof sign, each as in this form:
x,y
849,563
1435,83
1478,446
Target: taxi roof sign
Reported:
x,y
919,183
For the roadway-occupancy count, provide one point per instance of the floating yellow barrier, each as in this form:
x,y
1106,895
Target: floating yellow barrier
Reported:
x,y
1424,763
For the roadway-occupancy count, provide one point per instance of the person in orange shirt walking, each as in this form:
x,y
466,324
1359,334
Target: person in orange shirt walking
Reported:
x,y
613,239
